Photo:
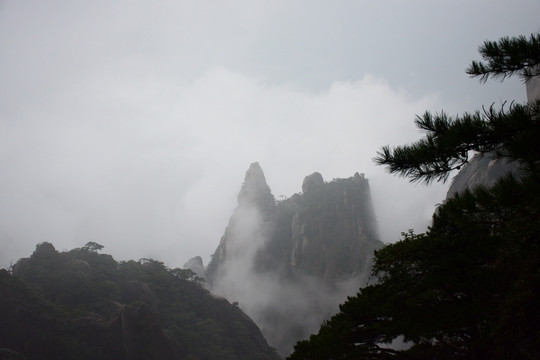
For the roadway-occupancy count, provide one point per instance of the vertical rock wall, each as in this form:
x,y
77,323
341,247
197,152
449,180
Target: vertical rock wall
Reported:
x,y
290,263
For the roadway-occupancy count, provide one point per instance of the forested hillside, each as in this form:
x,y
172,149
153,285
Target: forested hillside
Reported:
x,y
80,304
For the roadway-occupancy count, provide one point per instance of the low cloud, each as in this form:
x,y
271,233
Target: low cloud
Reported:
x,y
155,173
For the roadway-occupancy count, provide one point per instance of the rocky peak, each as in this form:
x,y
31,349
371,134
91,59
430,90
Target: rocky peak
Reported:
x,y
312,182
249,224
315,247
359,178
196,265
254,180
44,249
255,175
254,190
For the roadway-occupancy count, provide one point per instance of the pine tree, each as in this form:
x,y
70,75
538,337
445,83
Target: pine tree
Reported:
x,y
509,132
468,288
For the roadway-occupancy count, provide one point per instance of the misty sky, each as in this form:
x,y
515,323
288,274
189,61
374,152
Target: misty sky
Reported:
x,y
132,123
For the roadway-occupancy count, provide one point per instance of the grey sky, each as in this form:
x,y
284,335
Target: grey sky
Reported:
x,y
132,123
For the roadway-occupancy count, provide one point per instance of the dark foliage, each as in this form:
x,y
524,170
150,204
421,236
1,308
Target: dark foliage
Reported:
x,y
509,132
84,305
507,57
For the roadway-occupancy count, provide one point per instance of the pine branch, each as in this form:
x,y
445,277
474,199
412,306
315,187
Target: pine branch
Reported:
x,y
510,133
508,57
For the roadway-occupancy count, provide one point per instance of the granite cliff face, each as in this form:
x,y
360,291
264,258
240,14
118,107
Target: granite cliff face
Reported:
x,y
482,170
290,263
333,232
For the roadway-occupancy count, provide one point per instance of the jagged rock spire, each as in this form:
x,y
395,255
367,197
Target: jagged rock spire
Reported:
x,y
248,224
255,191
254,178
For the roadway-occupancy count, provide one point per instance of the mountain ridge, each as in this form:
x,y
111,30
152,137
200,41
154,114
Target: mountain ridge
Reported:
x,y
85,305
313,249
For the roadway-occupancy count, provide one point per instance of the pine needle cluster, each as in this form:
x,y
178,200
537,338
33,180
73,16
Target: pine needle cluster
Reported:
x,y
510,131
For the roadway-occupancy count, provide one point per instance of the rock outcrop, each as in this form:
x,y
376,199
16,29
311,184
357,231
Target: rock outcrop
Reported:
x,y
196,265
333,232
482,170
290,263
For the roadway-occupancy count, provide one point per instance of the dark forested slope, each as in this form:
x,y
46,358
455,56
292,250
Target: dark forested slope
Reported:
x,y
84,305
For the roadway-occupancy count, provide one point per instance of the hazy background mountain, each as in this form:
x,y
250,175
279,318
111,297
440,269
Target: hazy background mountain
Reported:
x,y
290,263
